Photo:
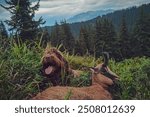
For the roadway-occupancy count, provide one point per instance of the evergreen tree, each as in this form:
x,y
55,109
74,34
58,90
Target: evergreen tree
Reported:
x,y
105,38
67,37
56,35
22,22
124,40
99,43
84,41
91,39
141,35
3,32
78,48
111,42
4,42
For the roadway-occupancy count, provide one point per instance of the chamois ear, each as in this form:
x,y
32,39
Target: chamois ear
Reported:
x,y
92,70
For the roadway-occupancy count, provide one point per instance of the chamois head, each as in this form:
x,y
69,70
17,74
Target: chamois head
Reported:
x,y
101,74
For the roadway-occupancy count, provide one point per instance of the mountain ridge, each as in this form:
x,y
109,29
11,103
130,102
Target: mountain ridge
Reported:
x,y
88,15
131,15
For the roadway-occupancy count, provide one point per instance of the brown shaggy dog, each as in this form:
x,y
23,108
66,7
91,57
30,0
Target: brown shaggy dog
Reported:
x,y
98,89
55,66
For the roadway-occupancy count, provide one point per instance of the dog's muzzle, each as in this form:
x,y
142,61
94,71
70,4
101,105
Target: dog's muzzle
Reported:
x,y
50,65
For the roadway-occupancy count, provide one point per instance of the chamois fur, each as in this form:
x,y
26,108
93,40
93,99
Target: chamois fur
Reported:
x,y
98,91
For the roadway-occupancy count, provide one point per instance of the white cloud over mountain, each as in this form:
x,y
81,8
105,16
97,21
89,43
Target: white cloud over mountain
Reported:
x,y
72,7
56,9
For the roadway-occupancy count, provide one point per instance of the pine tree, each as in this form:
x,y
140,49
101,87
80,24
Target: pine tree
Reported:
x,y
84,41
67,37
4,42
124,40
111,42
3,32
56,35
141,35
91,39
22,22
78,48
105,38
99,43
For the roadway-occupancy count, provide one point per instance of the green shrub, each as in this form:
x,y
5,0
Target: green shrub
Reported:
x,y
134,77
83,80
19,72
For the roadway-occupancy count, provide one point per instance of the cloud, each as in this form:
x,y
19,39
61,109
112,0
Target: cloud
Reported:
x,y
1,10
72,7
60,9
4,14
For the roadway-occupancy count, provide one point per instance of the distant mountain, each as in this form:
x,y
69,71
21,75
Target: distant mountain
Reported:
x,y
131,16
88,15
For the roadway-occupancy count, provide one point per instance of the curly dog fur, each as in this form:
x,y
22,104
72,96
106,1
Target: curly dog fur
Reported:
x,y
55,66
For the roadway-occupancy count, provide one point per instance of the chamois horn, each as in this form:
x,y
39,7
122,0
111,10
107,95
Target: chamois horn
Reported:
x,y
106,58
105,69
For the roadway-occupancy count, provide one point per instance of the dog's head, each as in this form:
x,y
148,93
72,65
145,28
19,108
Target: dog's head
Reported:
x,y
54,65
53,62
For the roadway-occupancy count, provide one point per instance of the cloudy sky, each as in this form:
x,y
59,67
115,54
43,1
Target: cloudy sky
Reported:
x,y
52,10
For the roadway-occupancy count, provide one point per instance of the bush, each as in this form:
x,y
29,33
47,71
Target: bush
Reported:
x,y
19,72
141,82
134,78
83,80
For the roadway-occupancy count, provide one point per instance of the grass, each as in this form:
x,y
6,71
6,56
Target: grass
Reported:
x,y
134,77
20,76
68,95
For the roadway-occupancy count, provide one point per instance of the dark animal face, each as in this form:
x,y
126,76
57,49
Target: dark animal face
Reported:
x,y
105,70
54,65
51,62
99,78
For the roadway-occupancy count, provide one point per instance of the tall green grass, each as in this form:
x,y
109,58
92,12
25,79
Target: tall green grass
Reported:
x,y
19,71
134,77
20,76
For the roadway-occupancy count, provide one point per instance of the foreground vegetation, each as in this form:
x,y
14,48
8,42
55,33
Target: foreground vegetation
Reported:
x,y
20,77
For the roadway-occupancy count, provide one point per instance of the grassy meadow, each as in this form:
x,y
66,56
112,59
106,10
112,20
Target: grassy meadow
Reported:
x,y
20,75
